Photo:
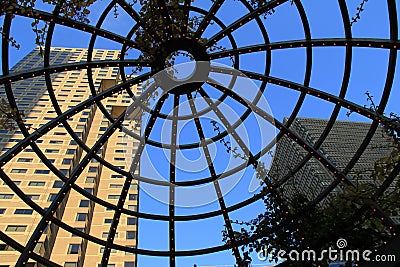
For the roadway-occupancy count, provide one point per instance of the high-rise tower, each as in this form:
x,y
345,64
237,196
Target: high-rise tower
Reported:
x,y
36,180
339,147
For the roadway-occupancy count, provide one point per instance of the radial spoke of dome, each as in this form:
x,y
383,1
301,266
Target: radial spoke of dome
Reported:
x,y
288,132
172,176
243,20
228,126
127,183
124,49
342,93
166,18
186,9
211,168
70,113
18,247
241,144
89,56
65,122
128,9
26,74
340,176
6,70
323,95
307,74
391,69
328,42
208,18
45,16
65,190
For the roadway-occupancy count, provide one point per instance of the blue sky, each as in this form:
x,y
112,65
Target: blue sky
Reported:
x,y
369,67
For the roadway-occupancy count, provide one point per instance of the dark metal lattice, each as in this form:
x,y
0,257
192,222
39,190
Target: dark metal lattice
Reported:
x,y
392,45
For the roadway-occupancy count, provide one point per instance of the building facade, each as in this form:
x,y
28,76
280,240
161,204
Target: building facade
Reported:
x,y
339,147
29,173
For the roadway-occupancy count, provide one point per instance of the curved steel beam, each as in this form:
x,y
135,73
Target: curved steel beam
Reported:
x,y
26,74
127,183
45,16
331,42
128,9
208,18
186,10
243,20
217,187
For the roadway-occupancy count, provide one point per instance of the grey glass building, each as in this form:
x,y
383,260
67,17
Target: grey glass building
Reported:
x,y
339,147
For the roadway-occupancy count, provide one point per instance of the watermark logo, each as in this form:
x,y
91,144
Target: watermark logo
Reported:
x,y
341,243
339,254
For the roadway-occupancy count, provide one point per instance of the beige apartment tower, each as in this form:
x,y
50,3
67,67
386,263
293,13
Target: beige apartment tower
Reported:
x,y
34,178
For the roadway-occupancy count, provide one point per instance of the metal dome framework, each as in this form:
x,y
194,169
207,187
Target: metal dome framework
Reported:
x,y
339,101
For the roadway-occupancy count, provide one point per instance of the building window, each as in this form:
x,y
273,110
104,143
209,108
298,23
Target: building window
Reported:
x,y
88,189
115,185
132,207
130,234
129,264
42,171
132,196
18,170
55,141
70,264
33,197
35,183
51,197
107,220
129,253
113,196
73,248
81,217
84,203
6,196
90,180
58,184
92,169
52,151
113,250
2,211
24,160
23,211
81,229
66,161
16,228
70,151
133,187
131,221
